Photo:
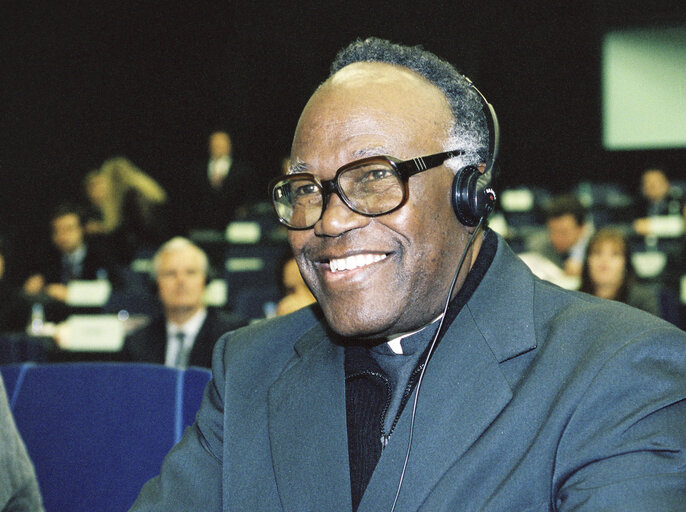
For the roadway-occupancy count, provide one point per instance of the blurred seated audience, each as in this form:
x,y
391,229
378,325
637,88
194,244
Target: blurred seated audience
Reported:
x,y
130,208
18,485
74,257
660,199
608,273
185,333
566,236
297,294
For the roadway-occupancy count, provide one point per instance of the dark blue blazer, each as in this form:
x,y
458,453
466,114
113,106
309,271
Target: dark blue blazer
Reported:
x,y
536,399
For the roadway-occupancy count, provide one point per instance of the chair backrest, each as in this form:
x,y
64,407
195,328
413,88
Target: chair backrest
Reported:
x,y
96,432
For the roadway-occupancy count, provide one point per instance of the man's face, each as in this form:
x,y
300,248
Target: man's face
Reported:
x,y
654,185
67,233
564,232
181,280
220,145
399,265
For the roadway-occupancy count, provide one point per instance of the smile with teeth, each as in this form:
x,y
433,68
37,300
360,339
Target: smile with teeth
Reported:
x,y
353,262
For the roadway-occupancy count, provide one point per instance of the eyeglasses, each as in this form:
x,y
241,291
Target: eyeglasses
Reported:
x,y
372,186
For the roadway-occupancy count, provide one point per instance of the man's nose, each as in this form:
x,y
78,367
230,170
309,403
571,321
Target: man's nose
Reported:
x,y
337,218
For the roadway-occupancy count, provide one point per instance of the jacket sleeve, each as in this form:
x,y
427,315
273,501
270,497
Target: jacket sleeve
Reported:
x,y
191,474
624,447
18,486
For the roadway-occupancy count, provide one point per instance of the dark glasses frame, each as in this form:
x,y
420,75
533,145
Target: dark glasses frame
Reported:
x,y
404,168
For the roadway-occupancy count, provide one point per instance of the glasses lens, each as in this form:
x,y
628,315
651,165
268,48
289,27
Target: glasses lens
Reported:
x,y
298,201
372,188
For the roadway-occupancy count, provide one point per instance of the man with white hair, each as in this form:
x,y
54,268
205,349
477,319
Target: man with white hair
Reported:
x,y
186,332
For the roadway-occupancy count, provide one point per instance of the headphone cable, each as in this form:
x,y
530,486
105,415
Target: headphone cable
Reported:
x,y
428,356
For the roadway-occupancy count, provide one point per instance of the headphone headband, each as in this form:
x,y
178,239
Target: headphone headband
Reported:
x,y
473,197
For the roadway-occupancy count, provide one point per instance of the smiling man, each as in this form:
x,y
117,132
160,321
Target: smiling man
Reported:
x,y
428,334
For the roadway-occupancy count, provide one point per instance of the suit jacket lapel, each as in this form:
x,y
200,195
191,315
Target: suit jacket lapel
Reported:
x,y
204,342
307,428
157,346
463,391
464,388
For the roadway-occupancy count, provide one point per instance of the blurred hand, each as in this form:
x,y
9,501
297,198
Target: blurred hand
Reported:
x,y
642,226
93,227
34,284
573,268
57,291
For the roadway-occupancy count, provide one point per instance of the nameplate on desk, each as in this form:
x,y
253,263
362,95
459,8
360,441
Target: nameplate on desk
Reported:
x,y
517,200
547,270
216,293
93,333
649,263
88,293
666,226
244,264
243,232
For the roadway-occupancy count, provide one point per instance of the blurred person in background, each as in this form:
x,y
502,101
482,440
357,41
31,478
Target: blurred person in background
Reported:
x,y
185,333
660,198
73,257
567,233
607,272
296,293
226,187
131,207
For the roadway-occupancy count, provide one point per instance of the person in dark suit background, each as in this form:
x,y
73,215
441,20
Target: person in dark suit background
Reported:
x,y
74,257
185,334
227,185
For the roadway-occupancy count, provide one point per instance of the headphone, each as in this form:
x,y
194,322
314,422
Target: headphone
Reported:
x,y
472,196
473,200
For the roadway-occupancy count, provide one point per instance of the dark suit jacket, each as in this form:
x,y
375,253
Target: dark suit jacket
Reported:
x,y
96,259
149,343
536,399
207,208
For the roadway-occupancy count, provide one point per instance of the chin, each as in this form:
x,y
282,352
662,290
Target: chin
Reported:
x,y
358,324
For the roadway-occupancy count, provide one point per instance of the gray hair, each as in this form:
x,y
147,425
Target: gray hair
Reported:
x,y
470,128
176,244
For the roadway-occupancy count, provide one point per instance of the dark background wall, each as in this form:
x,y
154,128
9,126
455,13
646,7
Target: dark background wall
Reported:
x,y
80,82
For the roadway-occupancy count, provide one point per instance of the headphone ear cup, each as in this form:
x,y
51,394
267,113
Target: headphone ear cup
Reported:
x,y
472,200
464,195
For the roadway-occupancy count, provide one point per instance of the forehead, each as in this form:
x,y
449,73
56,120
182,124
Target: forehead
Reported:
x,y
183,257
564,221
66,221
608,242
372,108
654,175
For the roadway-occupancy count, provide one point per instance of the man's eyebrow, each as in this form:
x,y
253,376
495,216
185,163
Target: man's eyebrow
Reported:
x,y
300,166
370,151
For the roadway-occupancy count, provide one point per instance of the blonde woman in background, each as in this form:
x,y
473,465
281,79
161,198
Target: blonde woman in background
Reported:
x,y
130,207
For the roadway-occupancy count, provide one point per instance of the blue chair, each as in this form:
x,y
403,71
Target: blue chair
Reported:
x,y
96,432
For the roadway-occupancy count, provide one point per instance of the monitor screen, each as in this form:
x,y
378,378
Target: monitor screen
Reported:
x,y
644,89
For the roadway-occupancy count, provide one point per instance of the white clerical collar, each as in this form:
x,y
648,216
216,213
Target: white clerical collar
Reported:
x,y
394,343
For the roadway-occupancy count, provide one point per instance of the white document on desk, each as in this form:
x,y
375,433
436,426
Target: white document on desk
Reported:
x,y
93,333
88,293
